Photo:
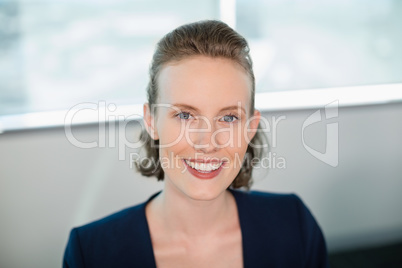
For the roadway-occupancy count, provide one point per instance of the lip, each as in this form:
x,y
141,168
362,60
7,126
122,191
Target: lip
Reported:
x,y
202,175
209,160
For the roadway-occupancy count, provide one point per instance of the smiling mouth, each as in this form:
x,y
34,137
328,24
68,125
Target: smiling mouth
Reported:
x,y
203,167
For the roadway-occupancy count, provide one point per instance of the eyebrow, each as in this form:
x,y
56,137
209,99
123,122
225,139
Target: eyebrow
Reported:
x,y
189,107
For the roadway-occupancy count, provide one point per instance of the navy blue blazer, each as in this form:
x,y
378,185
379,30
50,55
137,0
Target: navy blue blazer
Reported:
x,y
277,231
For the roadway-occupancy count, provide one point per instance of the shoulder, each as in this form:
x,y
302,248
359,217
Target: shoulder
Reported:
x,y
257,201
285,221
115,222
132,218
276,208
118,240
259,196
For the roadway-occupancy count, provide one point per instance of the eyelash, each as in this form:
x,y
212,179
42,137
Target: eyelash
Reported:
x,y
181,113
234,117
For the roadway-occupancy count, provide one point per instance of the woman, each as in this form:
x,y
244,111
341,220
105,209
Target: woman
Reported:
x,y
201,133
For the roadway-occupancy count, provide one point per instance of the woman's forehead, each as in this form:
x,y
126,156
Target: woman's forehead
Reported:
x,y
205,82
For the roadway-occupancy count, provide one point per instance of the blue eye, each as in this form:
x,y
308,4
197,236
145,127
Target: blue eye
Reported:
x,y
229,118
184,115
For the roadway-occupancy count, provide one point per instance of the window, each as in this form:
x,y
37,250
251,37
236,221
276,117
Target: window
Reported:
x,y
322,44
55,54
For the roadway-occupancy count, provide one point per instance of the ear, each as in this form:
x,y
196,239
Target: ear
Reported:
x,y
253,124
149,122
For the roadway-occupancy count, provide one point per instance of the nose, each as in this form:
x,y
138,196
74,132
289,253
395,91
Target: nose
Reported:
x,y
203,136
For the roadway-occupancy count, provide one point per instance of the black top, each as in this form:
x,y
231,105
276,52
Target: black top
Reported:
x,y
277,231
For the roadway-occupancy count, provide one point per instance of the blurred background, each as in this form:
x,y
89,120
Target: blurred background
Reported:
x,y
59,58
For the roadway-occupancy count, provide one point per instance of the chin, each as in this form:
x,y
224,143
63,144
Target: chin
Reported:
x,y
194,188
203,194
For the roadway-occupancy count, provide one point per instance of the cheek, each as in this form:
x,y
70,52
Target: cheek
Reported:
x,y
234,140
172,140
170,132
228,136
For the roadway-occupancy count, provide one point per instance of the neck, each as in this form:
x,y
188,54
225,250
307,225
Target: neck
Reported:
x,y
180,214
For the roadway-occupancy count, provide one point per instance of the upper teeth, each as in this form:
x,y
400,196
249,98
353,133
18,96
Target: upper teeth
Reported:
x,y
205,167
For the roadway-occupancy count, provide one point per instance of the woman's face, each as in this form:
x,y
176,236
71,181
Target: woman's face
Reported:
x,y
201,120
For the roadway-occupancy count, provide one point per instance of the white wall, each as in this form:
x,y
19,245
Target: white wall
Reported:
x,y
47,185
